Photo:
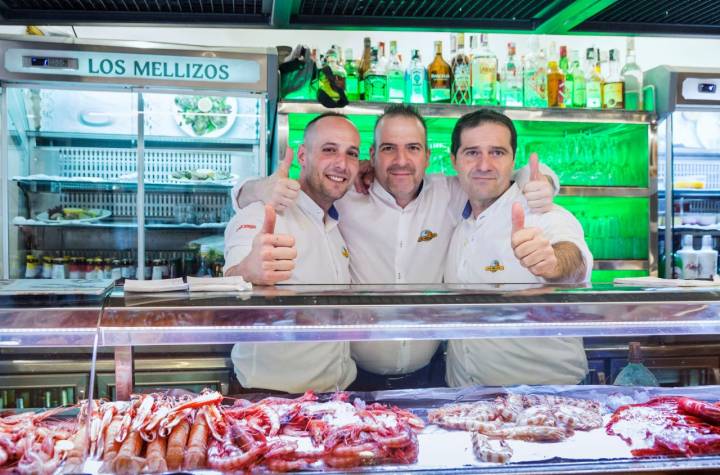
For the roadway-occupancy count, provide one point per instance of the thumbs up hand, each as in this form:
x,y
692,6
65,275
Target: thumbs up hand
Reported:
x,y
272,257
285,190
531,247
538,191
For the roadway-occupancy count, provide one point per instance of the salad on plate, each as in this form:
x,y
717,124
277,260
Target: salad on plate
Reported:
x,y
205,116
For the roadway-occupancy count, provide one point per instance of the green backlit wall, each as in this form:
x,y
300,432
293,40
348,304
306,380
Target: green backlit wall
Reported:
x,y
582,154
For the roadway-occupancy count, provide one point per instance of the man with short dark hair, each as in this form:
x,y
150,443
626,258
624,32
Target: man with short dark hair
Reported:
x,y
308,249
499,241
399,232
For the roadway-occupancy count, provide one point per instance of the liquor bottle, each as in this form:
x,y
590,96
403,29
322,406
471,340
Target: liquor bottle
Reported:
x,y
483,73
511,83
382,60
352,77
614,87
632,76
555,81
593,80
635,373
364,65
575,83
535,77
338,72
376,89
204,270
461,73
564,64
416,80
439,73
395,75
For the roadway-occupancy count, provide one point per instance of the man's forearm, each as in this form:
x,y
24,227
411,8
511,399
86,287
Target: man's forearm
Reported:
x,y
570,263
252,191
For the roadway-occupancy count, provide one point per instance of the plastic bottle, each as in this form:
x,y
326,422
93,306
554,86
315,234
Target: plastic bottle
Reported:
x,y
635,373
204,270
688,259
707,259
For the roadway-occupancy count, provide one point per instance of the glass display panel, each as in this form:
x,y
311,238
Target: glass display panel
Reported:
x,y
696,187
73,183
196,148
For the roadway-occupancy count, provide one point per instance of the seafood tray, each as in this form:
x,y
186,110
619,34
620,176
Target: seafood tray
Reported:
x,y
387,431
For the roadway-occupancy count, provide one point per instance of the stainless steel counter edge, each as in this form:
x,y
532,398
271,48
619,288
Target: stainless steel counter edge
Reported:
x,y
320,314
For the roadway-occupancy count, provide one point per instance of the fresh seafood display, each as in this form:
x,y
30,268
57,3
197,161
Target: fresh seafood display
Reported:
x,y
533,418
163,432
36,443
673,426
156,432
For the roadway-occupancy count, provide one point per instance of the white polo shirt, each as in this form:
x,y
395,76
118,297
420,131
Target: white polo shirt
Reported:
x,y
322,258
394,245
481,252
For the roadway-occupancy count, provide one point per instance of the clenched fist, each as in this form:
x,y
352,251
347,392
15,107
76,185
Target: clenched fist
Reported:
x,y
531,247
272,257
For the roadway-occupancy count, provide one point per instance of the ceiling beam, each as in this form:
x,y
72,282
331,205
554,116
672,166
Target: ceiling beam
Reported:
x,y
571,16
282,11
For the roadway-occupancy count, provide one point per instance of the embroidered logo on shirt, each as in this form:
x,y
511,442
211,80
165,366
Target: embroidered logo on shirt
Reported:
x,y
426,235
495,267
246,226
345,252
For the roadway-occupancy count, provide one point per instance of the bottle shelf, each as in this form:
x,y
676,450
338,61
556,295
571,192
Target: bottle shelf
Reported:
x,y
694,193
694,229
24,222
62,139
457,110
55,185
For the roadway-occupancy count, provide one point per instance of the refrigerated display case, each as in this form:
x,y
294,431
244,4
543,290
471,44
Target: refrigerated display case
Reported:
x,y
131,323
125,326
118,159
605,160
47,338
688,107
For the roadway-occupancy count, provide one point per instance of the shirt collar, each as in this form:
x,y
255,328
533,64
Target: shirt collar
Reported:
x,y
307,204
510,194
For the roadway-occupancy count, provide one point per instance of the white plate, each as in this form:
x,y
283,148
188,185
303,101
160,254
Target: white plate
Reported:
x,y
233,178
96,118
104,213
187,128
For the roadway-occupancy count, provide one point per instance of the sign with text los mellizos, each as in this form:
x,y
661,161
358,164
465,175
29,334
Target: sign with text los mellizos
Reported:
x,y
132,66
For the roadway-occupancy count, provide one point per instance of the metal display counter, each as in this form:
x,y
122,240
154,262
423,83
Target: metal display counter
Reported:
x,y
122,324
372,312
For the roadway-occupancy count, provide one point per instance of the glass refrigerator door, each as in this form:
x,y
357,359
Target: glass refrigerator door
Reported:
x,y
696,184
72,183
196,147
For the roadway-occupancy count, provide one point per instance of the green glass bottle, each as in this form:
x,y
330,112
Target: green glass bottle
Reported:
x,y
376,84
593,81
395,75
575,90
352,77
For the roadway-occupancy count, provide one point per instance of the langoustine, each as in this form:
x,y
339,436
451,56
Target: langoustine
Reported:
x,y
533,418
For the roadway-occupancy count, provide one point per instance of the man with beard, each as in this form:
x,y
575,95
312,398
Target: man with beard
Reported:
x,y
301,245
499,242
398,233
